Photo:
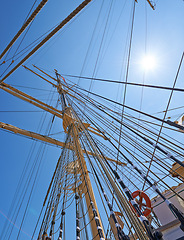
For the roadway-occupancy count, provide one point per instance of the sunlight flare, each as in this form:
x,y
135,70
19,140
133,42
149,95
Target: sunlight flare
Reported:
x,y
148,62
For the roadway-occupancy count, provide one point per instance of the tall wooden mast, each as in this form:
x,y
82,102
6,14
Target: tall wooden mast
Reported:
x,y
69,122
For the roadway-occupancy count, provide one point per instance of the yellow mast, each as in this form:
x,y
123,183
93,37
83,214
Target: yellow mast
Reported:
x,y
69,122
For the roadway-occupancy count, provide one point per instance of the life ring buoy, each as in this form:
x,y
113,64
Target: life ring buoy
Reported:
x,y
142,195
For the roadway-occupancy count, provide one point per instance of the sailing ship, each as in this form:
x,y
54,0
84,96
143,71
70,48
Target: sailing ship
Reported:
x,y
95,154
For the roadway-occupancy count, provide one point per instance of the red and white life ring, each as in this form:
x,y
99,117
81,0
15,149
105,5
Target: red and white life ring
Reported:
x,y
142,195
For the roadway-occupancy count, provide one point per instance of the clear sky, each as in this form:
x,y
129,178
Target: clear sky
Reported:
x,y
79,50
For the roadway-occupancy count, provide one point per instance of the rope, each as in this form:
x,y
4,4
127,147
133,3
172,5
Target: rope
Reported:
x,y
50,35
29,20
170,205
171,94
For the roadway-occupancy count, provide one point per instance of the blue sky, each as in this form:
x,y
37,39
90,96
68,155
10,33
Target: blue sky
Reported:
x,y
160,32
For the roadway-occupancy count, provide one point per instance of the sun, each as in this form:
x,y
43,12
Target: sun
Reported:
x,y
148,62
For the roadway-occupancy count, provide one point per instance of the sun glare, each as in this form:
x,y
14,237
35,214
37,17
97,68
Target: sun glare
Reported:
x,y
148,62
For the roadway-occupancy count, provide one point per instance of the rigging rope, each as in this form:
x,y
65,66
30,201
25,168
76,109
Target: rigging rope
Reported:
x,y
125,83
173,209
120,232
50,35
29,20
168,104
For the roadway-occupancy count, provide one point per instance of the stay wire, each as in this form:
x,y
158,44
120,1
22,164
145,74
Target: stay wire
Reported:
x,y
30,195
110,135
63,205
90,43
89,160
133,109
126,80
146,223
34,182
48,208
170,205
135,118
95,178
23,176
84,220
170,97
145,139
131,163
99,230
118,168
144,128
104,178
144,73
105,121
31,45
49,36
155,175
121,234
100,47
22,25
110,127
124,83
